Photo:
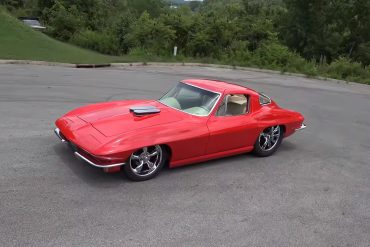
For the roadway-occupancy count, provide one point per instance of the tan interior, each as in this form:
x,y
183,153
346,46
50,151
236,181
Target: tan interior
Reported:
x,y
236,105
238,99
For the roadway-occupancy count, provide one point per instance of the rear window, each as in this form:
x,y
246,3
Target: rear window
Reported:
x,y
264,99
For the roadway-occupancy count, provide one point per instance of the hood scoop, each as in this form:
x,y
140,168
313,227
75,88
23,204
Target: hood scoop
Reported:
x,y
144,110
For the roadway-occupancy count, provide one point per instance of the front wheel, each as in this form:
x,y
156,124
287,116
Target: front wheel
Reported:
x,y
145,163
268,141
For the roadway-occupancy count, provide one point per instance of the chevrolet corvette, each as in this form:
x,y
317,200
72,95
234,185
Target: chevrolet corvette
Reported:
x,y
195,121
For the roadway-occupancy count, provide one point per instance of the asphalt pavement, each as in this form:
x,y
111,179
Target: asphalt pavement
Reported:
x,y
315,191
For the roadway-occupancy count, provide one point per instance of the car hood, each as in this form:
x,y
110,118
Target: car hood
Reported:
x,y
115,118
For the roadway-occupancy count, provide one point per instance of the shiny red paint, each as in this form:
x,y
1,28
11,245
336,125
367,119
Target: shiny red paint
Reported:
x,y
110,133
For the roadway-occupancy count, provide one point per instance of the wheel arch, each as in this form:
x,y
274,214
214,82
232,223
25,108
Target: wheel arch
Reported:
x,y
168,150
283,128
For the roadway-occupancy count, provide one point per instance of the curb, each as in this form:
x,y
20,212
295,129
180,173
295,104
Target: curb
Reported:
x,y
68,65
221,66
43,63
138,64
92,65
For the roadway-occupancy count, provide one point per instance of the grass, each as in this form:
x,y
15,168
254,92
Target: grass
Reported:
x,y
18,41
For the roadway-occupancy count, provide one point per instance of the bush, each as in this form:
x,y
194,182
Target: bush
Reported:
x,y
122,29
238,53
63,22
363,53
151,34
345,69
102,42
276,56
140,53
200,45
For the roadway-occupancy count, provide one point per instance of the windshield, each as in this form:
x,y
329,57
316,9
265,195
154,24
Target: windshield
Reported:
x,y
190,99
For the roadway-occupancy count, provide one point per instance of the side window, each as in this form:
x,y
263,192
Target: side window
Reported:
x,y
233,105
264,99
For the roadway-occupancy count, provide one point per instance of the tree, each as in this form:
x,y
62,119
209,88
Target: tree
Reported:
x,y
358,41
181,21
151,34
64,21
308,28
153,7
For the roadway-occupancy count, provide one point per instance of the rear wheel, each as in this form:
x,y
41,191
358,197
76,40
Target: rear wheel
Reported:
x,y
268,141
145,163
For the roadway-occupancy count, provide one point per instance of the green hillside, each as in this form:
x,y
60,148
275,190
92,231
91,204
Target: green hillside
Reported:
x,y
18,41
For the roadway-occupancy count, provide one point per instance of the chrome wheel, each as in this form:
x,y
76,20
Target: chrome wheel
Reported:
x,y
269,138
145,161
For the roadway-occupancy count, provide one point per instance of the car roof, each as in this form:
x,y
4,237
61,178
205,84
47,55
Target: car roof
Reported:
x,y
217,86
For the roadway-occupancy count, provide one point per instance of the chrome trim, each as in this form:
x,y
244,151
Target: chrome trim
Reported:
x,y
187,83
57,132
78,155
144,110
303,126
219,97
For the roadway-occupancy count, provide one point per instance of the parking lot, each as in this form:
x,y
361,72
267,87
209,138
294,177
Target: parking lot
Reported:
x,y
315,191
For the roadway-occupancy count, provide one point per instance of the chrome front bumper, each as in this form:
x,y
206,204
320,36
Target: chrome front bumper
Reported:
x,y
303,126
80,156
57,132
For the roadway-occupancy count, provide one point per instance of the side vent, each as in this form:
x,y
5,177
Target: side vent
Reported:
x,y
144,110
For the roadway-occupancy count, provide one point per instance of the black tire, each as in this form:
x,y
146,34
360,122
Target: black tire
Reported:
x,y
137,159
259,148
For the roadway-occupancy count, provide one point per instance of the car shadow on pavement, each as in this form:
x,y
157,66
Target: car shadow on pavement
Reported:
x,y
238,161
91,175
211,164
287,146
97,177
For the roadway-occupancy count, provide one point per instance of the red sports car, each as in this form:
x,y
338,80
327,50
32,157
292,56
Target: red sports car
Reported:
x,y
197,120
